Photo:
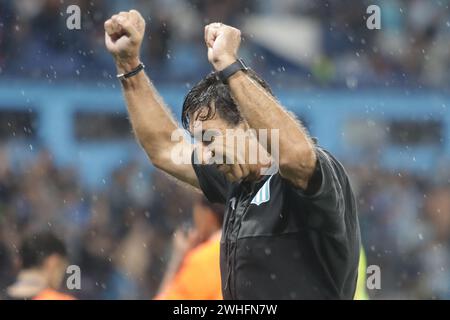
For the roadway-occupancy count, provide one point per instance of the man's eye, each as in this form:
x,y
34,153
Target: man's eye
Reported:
x,y
207,143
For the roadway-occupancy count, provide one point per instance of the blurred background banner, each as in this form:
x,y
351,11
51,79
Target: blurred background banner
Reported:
x,y
378,99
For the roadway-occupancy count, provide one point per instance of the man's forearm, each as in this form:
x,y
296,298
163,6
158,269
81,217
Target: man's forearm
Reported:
x,y
296,158
262,111
151,120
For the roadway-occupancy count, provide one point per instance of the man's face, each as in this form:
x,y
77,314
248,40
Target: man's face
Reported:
x,y
231,148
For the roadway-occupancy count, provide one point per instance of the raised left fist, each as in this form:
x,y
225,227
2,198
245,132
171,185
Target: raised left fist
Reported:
x,y
223,44
124,33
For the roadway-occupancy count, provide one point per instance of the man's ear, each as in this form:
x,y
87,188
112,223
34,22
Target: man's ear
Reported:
x,y
244,125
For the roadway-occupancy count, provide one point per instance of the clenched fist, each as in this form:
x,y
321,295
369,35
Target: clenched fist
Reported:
x,y
223,44
123,36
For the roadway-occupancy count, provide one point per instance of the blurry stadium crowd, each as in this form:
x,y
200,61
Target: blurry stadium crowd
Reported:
x,y
121,237
411,48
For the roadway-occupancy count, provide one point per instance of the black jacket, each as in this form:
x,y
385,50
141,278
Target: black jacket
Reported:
x,y
279,242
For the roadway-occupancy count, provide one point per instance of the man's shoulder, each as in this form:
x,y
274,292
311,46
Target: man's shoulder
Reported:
x,y
328,176
327,158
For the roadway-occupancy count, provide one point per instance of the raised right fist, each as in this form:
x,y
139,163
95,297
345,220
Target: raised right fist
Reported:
x,y
123,35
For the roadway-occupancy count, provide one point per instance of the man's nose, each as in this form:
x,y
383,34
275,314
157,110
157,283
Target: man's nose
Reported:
x,y
204,155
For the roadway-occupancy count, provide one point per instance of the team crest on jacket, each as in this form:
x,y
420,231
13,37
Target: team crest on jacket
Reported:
x,y
263,194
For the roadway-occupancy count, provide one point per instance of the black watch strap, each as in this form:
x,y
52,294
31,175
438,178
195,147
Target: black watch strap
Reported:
x,y
132,73
236,66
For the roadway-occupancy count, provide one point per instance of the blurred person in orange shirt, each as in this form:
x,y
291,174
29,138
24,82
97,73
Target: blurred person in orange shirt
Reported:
x,y
43,264
193,272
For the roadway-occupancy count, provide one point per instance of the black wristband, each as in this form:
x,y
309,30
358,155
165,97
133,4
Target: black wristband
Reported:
x,y
132,73
236,66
